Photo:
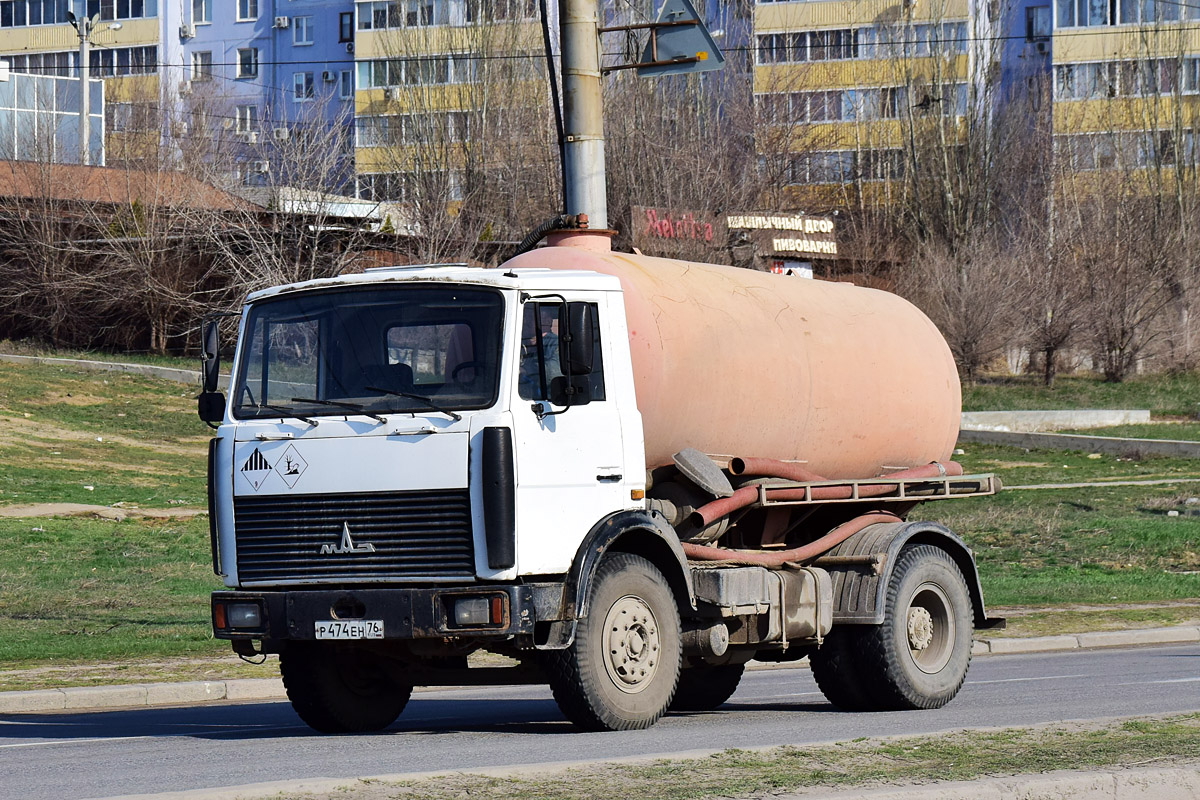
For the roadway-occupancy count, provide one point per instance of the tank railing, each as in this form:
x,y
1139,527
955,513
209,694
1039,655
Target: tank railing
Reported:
x,y
910,489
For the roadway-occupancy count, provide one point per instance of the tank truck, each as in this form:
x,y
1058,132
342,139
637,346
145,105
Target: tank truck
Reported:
x,y
629,476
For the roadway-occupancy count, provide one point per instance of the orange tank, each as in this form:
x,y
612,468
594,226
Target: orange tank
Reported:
x,y
734,362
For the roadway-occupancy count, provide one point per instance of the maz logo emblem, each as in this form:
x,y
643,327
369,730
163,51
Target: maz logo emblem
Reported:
x,y
347,545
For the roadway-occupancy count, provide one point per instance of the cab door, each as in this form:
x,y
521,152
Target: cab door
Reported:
x,y
570,464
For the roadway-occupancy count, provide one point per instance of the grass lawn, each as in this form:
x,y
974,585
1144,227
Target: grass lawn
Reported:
x,y
131,439
1165,395
93,590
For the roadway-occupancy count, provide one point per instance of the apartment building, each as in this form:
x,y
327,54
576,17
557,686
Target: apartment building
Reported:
x,y
435,80
842,87
39,118
267,68
1126,83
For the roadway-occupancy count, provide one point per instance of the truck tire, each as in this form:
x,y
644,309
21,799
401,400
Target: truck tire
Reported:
x,y
833,668
705,687
340,689
918,657
620,673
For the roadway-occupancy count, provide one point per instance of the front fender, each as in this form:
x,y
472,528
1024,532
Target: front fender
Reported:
x,y
637,532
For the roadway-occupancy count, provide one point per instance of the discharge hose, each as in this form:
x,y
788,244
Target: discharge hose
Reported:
x,y
777,558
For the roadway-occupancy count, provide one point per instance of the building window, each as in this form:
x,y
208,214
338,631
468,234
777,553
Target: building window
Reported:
x,y
247,10
346,26
302,30
400,14
202,65
201,12
247,119
247,62
118,61
1037,24
303,86
346,84
19,13
432,69
119,9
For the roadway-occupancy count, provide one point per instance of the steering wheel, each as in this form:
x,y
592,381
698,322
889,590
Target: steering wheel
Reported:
x,y
464,366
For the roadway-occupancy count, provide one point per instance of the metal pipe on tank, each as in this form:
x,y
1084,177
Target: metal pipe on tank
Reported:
x,y
583,117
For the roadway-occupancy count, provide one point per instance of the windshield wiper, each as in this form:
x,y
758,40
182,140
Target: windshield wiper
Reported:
x,y
283,412
355,407
429,403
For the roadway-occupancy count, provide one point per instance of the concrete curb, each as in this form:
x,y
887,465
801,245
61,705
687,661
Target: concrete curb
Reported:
x,y
1181,783
1166,783
1181,634
147,370
149,695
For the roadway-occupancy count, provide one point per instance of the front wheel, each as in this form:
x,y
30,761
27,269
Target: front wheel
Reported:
x,y
918,657
340,689
621,672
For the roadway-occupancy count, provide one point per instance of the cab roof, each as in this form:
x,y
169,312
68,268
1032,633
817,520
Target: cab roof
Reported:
x,y
527,279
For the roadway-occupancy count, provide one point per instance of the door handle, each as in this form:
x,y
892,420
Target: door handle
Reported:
x,y
609,478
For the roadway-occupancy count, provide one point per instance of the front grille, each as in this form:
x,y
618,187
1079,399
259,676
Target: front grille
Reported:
x,y
415,535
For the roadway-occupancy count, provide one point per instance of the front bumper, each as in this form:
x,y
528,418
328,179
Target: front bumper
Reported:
x,y
406,613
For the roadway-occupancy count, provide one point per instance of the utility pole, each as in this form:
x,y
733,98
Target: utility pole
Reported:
x,y
583,110
85,27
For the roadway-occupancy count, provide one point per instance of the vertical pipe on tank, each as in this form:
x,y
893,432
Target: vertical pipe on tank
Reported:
x,y
583,119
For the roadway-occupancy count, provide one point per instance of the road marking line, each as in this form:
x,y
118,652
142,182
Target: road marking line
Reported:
x,y
1164,680
195,733
1025,680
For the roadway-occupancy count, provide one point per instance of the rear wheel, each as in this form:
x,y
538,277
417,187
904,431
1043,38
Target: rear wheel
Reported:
x,y
621,671
341,689
705,687
918,657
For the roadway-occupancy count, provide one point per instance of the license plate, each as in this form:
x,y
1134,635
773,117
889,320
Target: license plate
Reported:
x,y
350,629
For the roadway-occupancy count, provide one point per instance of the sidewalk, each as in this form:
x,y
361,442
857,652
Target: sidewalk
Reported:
x,y
269,689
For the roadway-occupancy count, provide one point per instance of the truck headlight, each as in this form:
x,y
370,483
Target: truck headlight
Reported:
x,y
244,615
472,612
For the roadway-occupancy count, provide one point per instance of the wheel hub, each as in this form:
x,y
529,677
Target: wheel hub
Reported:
x,y
631,644
920,628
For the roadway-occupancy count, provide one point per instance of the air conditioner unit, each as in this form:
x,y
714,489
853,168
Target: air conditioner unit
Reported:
x,y
390,93
228,123
349,47
1041,48
260,166
283,22
329,76
187,31
281,134
185,87
251,137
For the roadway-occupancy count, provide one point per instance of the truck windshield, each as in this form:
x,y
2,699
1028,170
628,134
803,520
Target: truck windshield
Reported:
x,y
410,349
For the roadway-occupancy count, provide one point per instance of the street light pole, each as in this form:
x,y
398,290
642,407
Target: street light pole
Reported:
x,y
84,29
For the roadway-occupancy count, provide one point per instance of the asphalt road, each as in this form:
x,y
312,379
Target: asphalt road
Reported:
x,y
103,754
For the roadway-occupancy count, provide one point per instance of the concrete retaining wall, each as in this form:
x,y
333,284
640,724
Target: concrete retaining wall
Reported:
x,y
1087,444
1034,421
148,370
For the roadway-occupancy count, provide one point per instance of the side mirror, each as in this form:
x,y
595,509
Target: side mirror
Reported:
x,y
211,406
210,355
575,358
